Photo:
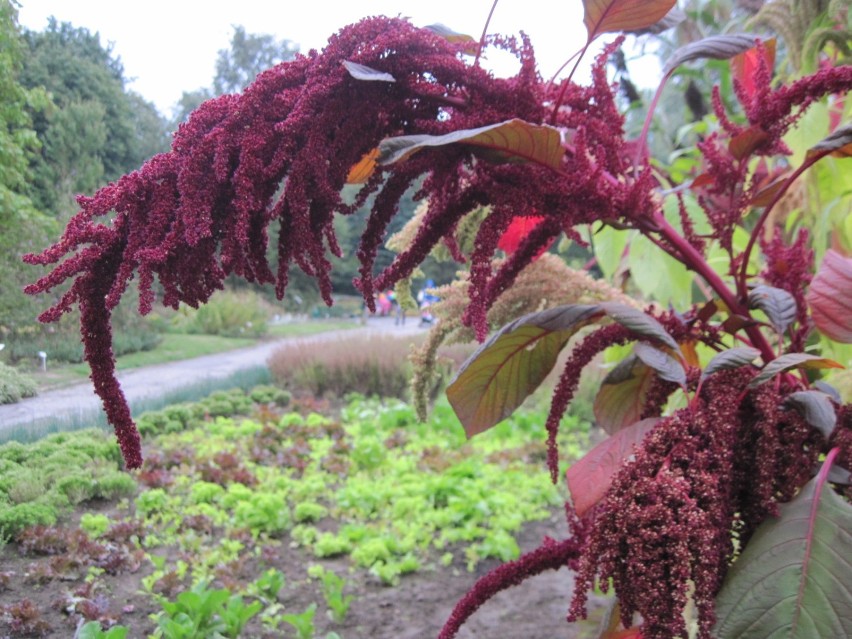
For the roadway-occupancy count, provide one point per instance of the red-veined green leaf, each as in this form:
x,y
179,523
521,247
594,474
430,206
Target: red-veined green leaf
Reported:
x,y
362,171
510,141
839,143
719,47
669,21
794,577
731,358
666,366
511,364
788,362
622,395
590,477
639,322
778,304
744,65
830,297
361,72
817,409
612,16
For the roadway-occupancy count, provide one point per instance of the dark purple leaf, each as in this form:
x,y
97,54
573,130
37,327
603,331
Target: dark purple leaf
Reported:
x,y
731,358
778,304
817,409
639,322
719,47
666,366
790,361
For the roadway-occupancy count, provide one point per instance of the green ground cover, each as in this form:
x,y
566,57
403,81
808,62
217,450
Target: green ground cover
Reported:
x,y
368,491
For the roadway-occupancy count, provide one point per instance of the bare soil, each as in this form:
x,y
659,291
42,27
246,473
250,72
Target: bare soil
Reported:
x,y
416,608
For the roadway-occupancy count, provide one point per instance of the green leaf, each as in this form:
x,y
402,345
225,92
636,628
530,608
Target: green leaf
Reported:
x,y
794,578
639,322
590,477
621,398
778,304
658,275
719,47
361,72
788,362
612,16
510,141
511,364
666,366
817,409
731,358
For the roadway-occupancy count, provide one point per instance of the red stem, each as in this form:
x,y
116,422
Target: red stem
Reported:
x,y
567,81
484,33
809,162
692,259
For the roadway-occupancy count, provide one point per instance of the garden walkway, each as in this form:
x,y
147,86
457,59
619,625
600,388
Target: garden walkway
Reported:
x,y
149,382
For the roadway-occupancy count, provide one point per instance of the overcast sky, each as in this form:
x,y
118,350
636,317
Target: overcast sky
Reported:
x,y
170,46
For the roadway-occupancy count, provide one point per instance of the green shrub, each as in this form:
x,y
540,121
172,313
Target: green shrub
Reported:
x,y
115,485
268,394
263,513
371,366
77,488
309,511
228,314
94,525
15,386
14,519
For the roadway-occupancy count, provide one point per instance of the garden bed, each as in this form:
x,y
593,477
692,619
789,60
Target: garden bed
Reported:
x,y
377,523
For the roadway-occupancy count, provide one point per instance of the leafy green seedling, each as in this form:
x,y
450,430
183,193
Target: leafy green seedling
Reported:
x,y
303,623
332,590
93,630
267,586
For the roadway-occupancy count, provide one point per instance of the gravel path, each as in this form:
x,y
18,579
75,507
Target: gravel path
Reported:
x,y
150,382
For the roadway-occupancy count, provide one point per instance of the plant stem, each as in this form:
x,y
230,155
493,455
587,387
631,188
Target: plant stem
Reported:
x,y
692,259
809,162
484,33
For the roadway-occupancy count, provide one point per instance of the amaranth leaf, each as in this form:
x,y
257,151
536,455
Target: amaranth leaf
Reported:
x,y
817,409
510,141
778,304
731,358
793,580
511,364
719,47
611,16
590,477
621,397
790,361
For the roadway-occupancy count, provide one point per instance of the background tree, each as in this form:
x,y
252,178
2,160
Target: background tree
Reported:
x,y
95,130
22,226
236,67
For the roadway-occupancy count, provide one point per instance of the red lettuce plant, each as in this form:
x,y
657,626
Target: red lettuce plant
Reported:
x,y
678,512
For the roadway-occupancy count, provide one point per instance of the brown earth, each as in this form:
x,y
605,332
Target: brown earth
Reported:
x,y
415,609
